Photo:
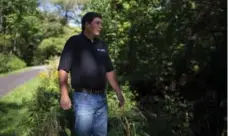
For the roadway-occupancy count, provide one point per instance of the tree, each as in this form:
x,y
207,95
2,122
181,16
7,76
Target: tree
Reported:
x,y
159,46
69,8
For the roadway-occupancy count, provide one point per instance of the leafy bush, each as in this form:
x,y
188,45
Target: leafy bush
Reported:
x,y
167,115
52,46
127,121
46,118
52,30
49,47
44,111
10,63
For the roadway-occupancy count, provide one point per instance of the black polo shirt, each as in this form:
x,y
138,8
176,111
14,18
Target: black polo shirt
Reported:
x,y
87,62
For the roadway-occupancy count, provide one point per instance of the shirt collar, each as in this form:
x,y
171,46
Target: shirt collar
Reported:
x,y
92,41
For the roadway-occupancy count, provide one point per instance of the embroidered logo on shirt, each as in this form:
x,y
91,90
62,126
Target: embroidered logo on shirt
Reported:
x,y
101,50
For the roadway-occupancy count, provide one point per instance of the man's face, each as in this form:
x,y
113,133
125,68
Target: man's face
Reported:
x,y
95,26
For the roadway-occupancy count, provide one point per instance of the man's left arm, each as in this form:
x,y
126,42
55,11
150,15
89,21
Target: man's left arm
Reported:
x,y
112,79
111,76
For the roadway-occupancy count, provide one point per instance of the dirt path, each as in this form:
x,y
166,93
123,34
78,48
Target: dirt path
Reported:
x,y
8,83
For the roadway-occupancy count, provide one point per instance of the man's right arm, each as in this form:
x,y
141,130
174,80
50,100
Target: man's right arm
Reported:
x,y
65,101
63,70
63,82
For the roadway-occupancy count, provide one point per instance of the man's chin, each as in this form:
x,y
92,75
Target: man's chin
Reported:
x,y
97,34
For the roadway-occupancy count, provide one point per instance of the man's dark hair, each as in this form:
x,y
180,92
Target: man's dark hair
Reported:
x,y
88,17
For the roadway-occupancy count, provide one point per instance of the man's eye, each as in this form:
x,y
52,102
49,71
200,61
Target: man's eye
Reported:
x,y
98,23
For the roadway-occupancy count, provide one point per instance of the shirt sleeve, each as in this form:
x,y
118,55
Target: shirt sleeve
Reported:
x,y
66,56
108,62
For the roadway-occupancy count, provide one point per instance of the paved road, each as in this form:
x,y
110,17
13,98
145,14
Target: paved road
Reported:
x,y
8,83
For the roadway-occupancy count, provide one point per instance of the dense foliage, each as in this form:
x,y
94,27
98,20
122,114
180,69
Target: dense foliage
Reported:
x,y
10,63
170,51
167,53
46,118
29,33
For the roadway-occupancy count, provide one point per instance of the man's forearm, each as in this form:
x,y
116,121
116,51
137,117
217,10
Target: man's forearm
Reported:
x,y
111,76
63,83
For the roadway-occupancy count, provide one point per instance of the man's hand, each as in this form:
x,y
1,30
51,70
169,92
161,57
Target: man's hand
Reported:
x,y
111,76
121,99
65,102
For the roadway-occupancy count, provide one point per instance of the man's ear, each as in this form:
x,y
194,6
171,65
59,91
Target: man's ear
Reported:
x,y
87,25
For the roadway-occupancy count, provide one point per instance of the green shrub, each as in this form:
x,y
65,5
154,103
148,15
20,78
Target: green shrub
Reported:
x,y
52,30
169,115
45,115
52,46
126,121
46,118
10,63
48,48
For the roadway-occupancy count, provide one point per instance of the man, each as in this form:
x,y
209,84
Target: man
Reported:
x,y
87,60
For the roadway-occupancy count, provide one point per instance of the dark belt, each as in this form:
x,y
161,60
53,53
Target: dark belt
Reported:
x,y
91,91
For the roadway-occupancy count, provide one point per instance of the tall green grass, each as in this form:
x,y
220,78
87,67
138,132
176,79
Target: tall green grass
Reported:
x,y
13,107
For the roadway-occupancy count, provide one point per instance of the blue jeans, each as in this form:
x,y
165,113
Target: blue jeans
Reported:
x,y
90,112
